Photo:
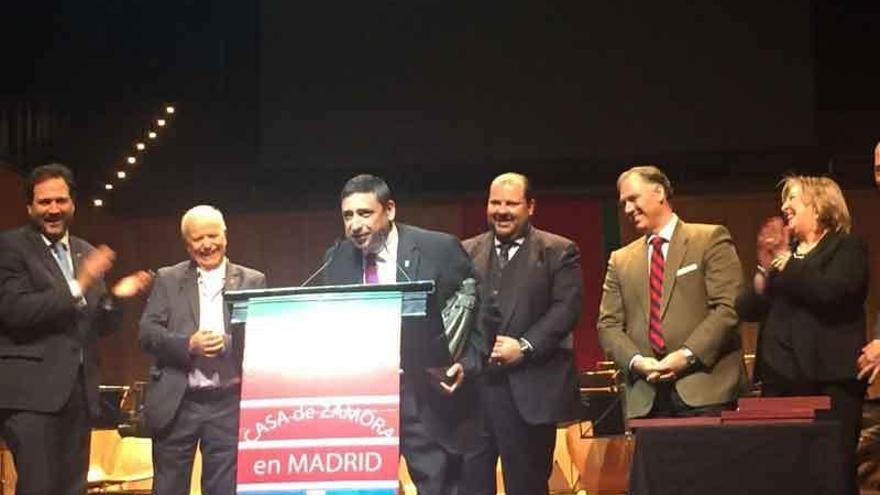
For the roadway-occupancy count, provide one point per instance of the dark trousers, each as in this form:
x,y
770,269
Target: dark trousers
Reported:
x,y
209,420
846,408
433,469
50,450
668,404
526,450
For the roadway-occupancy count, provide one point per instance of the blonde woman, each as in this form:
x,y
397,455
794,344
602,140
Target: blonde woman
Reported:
x,y
809,296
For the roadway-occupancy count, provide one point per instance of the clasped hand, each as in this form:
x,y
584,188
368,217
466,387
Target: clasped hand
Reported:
x,y
670,368
206,343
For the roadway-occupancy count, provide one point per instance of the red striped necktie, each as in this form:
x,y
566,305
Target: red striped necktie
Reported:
x,y
655,323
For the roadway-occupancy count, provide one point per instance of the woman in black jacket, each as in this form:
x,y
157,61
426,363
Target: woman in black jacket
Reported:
x,y
809,296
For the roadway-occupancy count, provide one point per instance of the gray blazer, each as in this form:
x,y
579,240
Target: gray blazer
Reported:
x,y
170,318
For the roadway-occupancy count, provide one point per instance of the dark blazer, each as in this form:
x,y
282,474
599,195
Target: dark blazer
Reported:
x,y
813,312
170,317
541,302
425,255
43,332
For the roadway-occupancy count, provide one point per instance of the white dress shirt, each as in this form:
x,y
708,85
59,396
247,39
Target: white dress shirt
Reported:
x,y
73,285
211,319
386,259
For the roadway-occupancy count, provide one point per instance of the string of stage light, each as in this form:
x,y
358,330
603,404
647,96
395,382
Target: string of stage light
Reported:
x,y
131,160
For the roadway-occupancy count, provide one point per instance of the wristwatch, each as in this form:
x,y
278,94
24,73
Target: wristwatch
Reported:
x,y
525,347
689,355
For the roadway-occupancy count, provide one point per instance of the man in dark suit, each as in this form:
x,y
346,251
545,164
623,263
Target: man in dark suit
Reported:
x,y
531,293
437,419
194,388
53,306
667,315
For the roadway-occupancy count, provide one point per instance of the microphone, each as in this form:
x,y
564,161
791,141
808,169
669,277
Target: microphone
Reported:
x,y
330,257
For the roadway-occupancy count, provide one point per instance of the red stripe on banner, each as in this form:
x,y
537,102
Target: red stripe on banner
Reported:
x,y
318,421
318,464
273,383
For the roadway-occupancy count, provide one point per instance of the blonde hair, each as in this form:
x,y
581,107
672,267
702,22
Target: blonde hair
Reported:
x,y
826,198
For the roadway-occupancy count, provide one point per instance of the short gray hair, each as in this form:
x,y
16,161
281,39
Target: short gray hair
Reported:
x,y
650,174
201,211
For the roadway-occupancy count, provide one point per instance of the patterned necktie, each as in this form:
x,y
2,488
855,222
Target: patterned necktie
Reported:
x,y
655,324
371,269
504,254
60,252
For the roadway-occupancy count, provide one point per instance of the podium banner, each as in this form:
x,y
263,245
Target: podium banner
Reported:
x,y
320,403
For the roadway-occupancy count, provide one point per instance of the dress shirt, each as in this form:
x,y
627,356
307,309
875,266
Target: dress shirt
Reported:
x,y
666,234
211,318
386,259
514,247
75,289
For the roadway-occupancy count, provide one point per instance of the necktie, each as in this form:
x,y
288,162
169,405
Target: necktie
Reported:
x,y
60,252
655,324
371,269
504,254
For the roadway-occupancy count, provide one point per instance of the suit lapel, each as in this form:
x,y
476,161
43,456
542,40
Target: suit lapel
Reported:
x,y
189,287
46,257
677,249
408,255
482,258
232,281
639,274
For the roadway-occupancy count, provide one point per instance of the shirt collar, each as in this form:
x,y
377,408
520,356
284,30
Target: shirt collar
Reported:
x,y
513,243
64,240
217,272
389,247
667,230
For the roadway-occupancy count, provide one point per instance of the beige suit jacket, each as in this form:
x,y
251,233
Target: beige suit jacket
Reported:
x,y
702,278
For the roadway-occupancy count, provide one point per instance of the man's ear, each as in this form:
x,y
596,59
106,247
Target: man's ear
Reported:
x,y
390,209
661,192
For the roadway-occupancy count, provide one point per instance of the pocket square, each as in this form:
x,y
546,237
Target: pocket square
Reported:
x,y
686,269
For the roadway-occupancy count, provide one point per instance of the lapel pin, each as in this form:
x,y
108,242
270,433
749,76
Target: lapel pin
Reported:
x,y
406,263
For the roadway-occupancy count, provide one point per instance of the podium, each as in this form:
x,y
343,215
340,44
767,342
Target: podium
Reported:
x,y
320,399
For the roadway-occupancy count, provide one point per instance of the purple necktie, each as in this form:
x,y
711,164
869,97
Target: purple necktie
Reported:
x,y
371,269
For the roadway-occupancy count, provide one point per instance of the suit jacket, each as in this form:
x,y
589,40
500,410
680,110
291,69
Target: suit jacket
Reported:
x,y
702,278
44,334
425,255
541,302
170,317
813,312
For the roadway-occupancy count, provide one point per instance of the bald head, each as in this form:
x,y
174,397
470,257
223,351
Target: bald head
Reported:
x,y
510,206
515,179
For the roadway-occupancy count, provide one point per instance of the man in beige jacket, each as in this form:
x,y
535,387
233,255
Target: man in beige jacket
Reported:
x,y
667,316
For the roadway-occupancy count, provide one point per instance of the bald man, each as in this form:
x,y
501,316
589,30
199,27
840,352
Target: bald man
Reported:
x,y
531,297
194,388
